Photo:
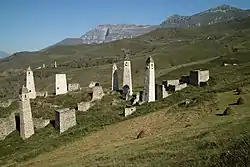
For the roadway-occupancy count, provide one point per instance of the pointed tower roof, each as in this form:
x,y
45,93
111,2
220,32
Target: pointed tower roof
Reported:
x,y
149,60
23,90
115,66
29,69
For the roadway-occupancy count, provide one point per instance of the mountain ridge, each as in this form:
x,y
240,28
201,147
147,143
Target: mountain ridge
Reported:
x,y
3,54
219,14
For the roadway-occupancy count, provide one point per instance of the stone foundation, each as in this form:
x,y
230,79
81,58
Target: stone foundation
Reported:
x,y
177,87
40,123
7,126
73,87
84,106
97,93
65,119
129,110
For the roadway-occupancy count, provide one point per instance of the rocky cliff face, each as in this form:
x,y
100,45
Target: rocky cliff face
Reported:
x,y
108,33
223,13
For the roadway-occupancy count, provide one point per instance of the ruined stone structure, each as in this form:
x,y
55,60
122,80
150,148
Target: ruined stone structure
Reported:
x,y
43,66
93,84
149,82
30,83
127,76
136,99
65,119
7,126
177,87
26,121
84,106
73,87
197,77
129,110
40,123
55,65
61,84
171,82
97,93
115,85
42,94
160,91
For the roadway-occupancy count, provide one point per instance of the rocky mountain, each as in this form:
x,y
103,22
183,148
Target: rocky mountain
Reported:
x,y
109,32
3,54
223,13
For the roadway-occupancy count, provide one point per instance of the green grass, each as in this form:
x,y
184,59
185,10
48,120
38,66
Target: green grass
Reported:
x,y
202,144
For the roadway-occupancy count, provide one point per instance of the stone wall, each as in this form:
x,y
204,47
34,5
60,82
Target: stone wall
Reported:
x,y
177,87
7,126
73,87
97,93
160,91
42,94
40,123
171,82
198,76
84,106
129,110
65,119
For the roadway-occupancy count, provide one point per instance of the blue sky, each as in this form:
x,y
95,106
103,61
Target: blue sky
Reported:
x,y
35,24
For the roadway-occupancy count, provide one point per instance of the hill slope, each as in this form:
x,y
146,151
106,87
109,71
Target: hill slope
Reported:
x,y
3,54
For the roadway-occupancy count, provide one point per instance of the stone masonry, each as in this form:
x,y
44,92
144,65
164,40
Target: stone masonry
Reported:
x,y
84,106
7,126
127,76
149,82
30,83
26,122
61,84
129,110
97,93
177,87
73,87
160,91
115,85
65,119
198,76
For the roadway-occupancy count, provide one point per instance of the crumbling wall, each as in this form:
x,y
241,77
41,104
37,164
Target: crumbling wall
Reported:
x,y
65,119
177,87
84,106
7,126
129,110
97,93
160,91
73,86
40,123
42,94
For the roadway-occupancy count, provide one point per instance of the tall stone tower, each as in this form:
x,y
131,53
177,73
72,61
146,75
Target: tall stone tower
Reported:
x,y
26,122
149,82
30,83
115,85
61,84
127,76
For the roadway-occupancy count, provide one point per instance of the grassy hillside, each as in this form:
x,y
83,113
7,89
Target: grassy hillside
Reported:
x,y
85,63
176,135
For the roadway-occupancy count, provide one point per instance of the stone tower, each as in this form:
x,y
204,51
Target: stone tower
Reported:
x,y
115,85
26,121
61,84
127,76
55,65
149,82
30,83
